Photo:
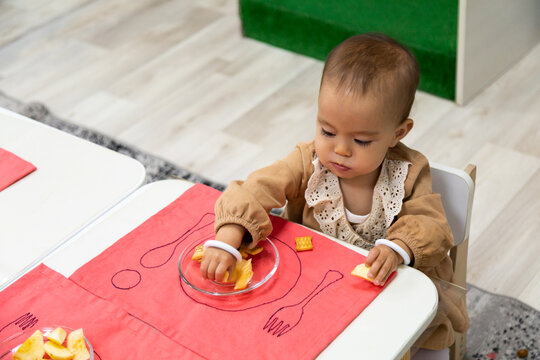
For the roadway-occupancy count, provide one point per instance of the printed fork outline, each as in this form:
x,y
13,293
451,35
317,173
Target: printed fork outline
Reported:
x,y
278,327
24,321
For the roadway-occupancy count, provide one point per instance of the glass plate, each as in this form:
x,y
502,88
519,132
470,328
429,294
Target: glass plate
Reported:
x,y
9,346
264,267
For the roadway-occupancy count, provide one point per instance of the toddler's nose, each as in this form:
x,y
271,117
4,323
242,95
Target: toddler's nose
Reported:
x,y
341,148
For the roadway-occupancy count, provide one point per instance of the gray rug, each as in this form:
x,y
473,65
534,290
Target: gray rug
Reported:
x,y
501,326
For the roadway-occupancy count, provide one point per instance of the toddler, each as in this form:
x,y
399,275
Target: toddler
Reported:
x,y
356,181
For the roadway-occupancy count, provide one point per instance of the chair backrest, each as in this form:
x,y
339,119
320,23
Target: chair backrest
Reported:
x,y
457,189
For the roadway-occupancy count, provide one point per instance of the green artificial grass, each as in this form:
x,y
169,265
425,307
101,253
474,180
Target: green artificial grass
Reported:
x,y
314,27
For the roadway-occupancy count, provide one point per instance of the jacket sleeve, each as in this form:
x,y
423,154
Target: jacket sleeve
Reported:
x,y
248,203
421,223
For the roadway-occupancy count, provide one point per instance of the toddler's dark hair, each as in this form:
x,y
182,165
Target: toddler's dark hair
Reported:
x,y
376,64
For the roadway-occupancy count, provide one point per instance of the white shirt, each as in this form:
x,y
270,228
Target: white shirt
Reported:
x,y
355,219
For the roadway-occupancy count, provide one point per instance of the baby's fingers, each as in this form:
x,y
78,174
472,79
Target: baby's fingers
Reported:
x,y
220,271
204,269
215,263
208,264
372,256
211,270
375,269
385,271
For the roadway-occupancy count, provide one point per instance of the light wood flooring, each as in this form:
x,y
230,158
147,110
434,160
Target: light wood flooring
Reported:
x,y
177,79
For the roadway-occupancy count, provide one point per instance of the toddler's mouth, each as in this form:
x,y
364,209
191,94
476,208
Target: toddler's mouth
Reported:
x,y
340,167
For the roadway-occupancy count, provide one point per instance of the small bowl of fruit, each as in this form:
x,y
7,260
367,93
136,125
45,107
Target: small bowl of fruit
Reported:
x,y
55,342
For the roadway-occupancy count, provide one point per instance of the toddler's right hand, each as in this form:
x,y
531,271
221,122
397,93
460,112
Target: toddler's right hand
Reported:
x,y
215,263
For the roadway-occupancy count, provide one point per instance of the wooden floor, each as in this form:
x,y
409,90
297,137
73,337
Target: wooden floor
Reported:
x,y
177,79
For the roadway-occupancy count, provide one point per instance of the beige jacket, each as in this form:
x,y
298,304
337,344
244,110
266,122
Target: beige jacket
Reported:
x,y
421,224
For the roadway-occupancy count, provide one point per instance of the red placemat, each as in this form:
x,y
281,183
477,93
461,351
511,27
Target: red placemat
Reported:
x,y
12,168
45,298
312,291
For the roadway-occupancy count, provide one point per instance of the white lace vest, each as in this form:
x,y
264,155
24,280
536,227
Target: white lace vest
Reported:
x,y
323,194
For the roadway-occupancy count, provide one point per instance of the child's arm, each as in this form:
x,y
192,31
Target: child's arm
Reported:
x,y
421,227
248,203
245,205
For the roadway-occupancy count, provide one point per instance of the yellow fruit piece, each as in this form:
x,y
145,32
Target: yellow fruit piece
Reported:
x,y
361,270
77,345
303,243
32,348
245,273
241,275
58,336
199,252
238,268
256,250
243,252
237,271
82,355
57,352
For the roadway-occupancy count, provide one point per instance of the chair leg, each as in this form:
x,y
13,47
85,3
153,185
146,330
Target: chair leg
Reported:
x,y
457,350
458,255
407,355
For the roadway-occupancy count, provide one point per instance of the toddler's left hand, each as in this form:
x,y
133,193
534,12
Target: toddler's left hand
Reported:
x,y
382,261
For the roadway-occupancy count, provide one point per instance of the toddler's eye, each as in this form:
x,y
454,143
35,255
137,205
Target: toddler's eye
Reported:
x,y
326,133
362,142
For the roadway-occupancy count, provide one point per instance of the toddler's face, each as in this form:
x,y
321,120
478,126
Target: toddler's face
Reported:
x,y
353,132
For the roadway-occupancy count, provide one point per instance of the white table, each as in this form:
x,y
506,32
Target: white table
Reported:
x,y
75,182
386,329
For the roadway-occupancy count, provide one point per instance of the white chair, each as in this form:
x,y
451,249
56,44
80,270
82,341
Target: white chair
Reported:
x,y
457,190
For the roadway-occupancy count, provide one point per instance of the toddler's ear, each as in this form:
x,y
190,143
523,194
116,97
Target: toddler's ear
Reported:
x,y
402,130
